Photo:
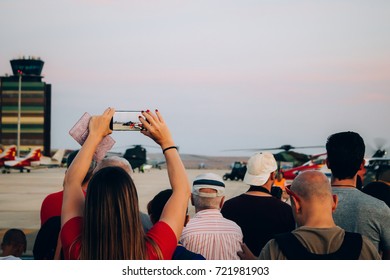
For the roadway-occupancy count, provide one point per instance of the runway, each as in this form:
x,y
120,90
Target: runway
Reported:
x,y
21,194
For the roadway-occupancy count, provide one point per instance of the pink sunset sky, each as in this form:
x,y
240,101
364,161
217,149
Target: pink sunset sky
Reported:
x,y
225,74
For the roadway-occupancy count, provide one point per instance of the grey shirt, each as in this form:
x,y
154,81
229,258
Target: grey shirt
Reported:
x,y
359,212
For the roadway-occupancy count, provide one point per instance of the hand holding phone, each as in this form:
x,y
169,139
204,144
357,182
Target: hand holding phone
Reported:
x,y
155,127
80,133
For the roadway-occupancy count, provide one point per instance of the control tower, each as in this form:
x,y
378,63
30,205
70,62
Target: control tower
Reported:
x,y
35,114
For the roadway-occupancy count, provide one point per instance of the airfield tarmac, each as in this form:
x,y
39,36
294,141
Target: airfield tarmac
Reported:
x,y
21,195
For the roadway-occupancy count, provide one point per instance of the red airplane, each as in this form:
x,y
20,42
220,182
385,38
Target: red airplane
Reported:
x,y
316,163
24,163
8,154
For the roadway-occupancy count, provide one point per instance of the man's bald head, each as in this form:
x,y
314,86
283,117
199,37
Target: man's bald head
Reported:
x,y
312,185
316,202
114,161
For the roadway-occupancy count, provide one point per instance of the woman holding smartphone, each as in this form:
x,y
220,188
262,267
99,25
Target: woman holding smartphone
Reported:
x,y
106,224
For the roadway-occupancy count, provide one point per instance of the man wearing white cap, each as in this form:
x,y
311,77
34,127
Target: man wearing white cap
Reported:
x,y
208,233
257,212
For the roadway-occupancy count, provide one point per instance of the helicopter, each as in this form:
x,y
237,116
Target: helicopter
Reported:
x,y
378,163
289,162
287,158
137,157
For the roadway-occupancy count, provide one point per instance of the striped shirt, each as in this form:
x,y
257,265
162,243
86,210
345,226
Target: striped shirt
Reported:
x,y
208,233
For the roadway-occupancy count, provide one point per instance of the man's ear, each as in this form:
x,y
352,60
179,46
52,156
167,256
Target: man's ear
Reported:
x,y
362,165
20,249
222,202
327,163
335,202
186,220
297,205
272,176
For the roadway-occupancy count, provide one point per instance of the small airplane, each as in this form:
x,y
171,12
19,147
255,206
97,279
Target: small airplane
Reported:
x,y
8,154
54,161
25,163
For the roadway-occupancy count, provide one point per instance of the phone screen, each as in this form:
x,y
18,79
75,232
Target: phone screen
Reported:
x,y
126,121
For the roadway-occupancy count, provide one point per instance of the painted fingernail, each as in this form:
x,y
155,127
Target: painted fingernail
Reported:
x,y
147,111
156,110
142,111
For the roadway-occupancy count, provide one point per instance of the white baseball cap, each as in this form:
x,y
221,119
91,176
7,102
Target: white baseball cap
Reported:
x,y
259,168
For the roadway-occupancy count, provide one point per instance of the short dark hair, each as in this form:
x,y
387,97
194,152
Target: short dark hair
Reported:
x,y
15,237
92,166
71,157
156,205
345,152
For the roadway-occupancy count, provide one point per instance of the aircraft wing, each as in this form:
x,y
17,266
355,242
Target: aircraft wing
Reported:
x,y
46,161
54,161
11,163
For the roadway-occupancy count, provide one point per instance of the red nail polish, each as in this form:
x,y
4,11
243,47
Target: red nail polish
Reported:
x,y
142,111
156,110
147,111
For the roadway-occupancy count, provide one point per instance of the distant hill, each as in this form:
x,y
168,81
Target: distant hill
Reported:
x,y
196,161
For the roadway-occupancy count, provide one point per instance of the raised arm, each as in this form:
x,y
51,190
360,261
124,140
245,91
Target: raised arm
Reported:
x,y
73,199
175,209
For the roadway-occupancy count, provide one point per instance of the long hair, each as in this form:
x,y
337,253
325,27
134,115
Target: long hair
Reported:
x,y
112,225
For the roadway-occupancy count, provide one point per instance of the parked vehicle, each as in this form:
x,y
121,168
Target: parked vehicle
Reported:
x,y
237,173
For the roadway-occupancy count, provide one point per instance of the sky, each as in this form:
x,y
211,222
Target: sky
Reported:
x,y
224,74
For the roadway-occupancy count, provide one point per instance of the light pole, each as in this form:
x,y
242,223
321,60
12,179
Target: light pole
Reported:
x,y
19,110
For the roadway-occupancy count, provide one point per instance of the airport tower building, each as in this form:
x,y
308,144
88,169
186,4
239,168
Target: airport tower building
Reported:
x,y
35,106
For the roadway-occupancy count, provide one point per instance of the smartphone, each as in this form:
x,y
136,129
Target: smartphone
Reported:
x,y
126,121
80,132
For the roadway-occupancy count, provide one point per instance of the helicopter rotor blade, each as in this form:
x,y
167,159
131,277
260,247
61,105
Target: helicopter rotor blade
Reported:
x,y
283,147
379,148
308,147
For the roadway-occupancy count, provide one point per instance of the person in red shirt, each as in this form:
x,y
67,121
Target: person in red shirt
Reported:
x,y
47,245
52,204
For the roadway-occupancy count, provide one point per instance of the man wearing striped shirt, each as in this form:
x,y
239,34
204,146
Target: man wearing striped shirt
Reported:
x,y
208,233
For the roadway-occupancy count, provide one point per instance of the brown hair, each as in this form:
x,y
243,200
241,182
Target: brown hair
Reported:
x,y
112,225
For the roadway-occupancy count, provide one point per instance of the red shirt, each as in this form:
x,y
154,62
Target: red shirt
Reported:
x,y
52,206
161,233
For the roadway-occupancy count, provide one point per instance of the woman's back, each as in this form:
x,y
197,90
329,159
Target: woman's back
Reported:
x,y
106,225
